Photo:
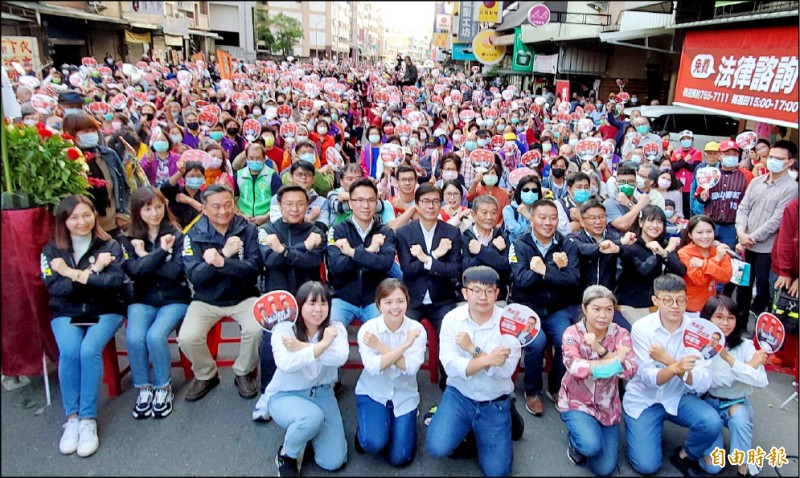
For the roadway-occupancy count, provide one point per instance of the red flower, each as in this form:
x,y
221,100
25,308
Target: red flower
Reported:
x,y
73,153
88,155
96,182
67,136
43,131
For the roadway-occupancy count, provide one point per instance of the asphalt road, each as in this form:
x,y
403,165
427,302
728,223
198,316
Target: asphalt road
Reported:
x,y
216,436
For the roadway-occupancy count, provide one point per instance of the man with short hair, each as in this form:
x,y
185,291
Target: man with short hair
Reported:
x,y
713,157
684,163
479,362
483,244
302,174
622,211
361,252
646,178
255,185
578,186
668,386
403,203
221,259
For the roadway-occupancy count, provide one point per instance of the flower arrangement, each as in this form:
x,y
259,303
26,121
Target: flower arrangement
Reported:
x,y
41,167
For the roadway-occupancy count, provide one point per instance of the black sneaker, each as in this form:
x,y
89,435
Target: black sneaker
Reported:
x,y
286,466
144,403
575,457
162,405
686,466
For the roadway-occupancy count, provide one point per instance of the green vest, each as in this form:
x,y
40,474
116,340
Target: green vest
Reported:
x,y
254,196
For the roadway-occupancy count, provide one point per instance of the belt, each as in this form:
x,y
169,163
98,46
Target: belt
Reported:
x,y
501,398
720,223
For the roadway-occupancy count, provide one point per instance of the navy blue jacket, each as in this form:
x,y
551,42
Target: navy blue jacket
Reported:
x,y
296,265
489,256
445,272
596,268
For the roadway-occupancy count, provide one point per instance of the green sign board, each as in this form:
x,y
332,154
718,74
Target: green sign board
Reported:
x,y
523,56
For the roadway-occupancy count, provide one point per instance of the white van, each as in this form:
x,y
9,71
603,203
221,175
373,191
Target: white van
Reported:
x,y
706,126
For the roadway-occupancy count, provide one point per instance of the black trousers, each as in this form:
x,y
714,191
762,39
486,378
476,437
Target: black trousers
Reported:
x,y
760,263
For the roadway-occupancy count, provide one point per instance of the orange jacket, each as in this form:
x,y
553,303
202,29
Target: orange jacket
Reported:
x,y
701,282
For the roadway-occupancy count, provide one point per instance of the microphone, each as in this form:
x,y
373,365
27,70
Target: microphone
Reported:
x,y
730,252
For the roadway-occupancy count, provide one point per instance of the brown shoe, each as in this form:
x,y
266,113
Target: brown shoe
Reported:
x,y
246,384
200,388
534,405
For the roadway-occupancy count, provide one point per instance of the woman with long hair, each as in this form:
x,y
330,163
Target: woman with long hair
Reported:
x,y
81,269
308,354
152,248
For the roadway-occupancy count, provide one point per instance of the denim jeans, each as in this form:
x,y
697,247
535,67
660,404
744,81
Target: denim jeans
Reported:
x,y
378,427
596,442
311,415
553,328
490,421
344,312
395,272
740,426
80,361
643,434
146,338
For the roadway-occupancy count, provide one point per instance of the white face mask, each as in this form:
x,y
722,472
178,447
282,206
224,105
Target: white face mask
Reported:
x,y
793,174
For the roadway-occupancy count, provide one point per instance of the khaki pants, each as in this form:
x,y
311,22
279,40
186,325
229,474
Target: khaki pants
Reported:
x,y
200,318
633,314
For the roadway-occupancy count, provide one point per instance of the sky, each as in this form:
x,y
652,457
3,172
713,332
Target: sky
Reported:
x,y
412,16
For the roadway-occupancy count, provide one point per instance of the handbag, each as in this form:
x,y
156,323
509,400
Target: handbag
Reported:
x,y
785,307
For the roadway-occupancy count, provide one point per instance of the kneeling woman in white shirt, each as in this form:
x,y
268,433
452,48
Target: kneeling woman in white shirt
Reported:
x,y
392,347
308,355
737,370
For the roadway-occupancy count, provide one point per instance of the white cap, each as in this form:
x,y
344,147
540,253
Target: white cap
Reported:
x,y
686,132
439,132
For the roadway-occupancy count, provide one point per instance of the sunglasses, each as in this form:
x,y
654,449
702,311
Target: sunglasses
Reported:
x,y
528,190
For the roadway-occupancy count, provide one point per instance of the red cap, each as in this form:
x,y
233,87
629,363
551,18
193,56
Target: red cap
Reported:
x,y
728,145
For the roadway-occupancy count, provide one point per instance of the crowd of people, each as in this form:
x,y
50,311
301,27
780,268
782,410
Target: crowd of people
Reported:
x,y
391,198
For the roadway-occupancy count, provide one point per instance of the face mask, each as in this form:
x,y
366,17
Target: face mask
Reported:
x,y
470,145
664,168
255,166
490,180
194,183
151,97
160,146
573,142
665,144
599,106
482,142
413,141
72,111
686,143
581,195
546,147
232,131
268,140
669,213
56,126
642,129
559,172
636,159
301,139
88,140
456,137
215,135
640,182
56,81
730,161
29,122
774,165
626,189
374,138
607,370
256,112
215,162
108,116
307,157
793,174
664,183
556,134
176,138
449,175
192,126
334,116
423,137
634,101
530,197
322,130
593,191
514,120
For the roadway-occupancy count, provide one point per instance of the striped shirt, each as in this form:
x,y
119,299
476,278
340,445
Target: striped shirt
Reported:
x,y
724,198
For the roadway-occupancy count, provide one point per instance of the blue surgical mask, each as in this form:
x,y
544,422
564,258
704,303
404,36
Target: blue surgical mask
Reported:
x,y
176,138
72,111
307,157
581,195
490,180
686,143
108,116
635,158
607,370
255,166
774,165
470,145
669,213
195,183
514,120
160,146
215,135
556,134
482,142
528,198
730,161
374,138
88,140
642,129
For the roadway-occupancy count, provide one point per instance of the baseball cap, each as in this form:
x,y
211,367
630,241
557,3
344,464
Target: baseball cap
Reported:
x,y
712,146
70,97
728,145
439,132
686,132
510,137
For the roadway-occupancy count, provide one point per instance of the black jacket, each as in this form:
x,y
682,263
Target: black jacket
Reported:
x,y
640,267
354,279
596,268
296,265
445,272
102,294
158,278
489,256
557,289
236,280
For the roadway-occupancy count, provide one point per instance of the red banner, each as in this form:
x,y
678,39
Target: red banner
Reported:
x,y
562,90
749,73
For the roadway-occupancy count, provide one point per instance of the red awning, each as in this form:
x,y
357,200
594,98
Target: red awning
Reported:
x,y
747,73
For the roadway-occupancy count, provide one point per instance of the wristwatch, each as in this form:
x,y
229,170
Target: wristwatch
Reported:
x,y
477,352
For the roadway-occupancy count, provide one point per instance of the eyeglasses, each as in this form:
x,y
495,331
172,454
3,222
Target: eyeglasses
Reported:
x,y
669,301
303,175
631,182
407,180
429,202
530,190
452,194
601,217
364,201
481,292
725,318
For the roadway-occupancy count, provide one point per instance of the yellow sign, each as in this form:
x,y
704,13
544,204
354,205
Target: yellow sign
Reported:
x,y
489,12
441,40
485,50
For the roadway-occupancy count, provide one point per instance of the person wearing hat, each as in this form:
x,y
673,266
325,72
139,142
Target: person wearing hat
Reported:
x,y
684,162
70,101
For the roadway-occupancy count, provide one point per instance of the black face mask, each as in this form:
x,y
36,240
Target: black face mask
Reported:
x,y
559,173
213,99
193,125
147,116
232,131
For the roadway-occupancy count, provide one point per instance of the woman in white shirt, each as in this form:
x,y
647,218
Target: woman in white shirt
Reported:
x,y
392,347
737,369
308,354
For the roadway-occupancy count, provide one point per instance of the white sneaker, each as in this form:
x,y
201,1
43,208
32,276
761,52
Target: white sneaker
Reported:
x,y
260,411
88,441
69,439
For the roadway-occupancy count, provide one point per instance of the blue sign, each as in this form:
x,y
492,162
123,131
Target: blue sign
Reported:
x,y
463,52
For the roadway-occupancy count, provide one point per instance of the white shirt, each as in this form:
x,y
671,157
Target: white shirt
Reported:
x,y
487,384
428,235
300,370
361,232
737,381
642,391
399,386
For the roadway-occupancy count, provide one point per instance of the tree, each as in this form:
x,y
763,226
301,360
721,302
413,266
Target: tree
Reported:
x,y
280,33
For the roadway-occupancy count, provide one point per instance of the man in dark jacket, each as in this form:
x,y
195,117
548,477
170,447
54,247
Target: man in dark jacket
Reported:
x,y
220,255
486,245
545,277
360,254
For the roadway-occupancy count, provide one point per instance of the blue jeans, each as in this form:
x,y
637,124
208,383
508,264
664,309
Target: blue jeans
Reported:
x,y
148,329
644,433
740,425
377,427
490,421
553,328
596,442
80,361
344,312
311,415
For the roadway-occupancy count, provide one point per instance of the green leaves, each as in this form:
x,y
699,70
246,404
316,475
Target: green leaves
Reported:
x,y
280,33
